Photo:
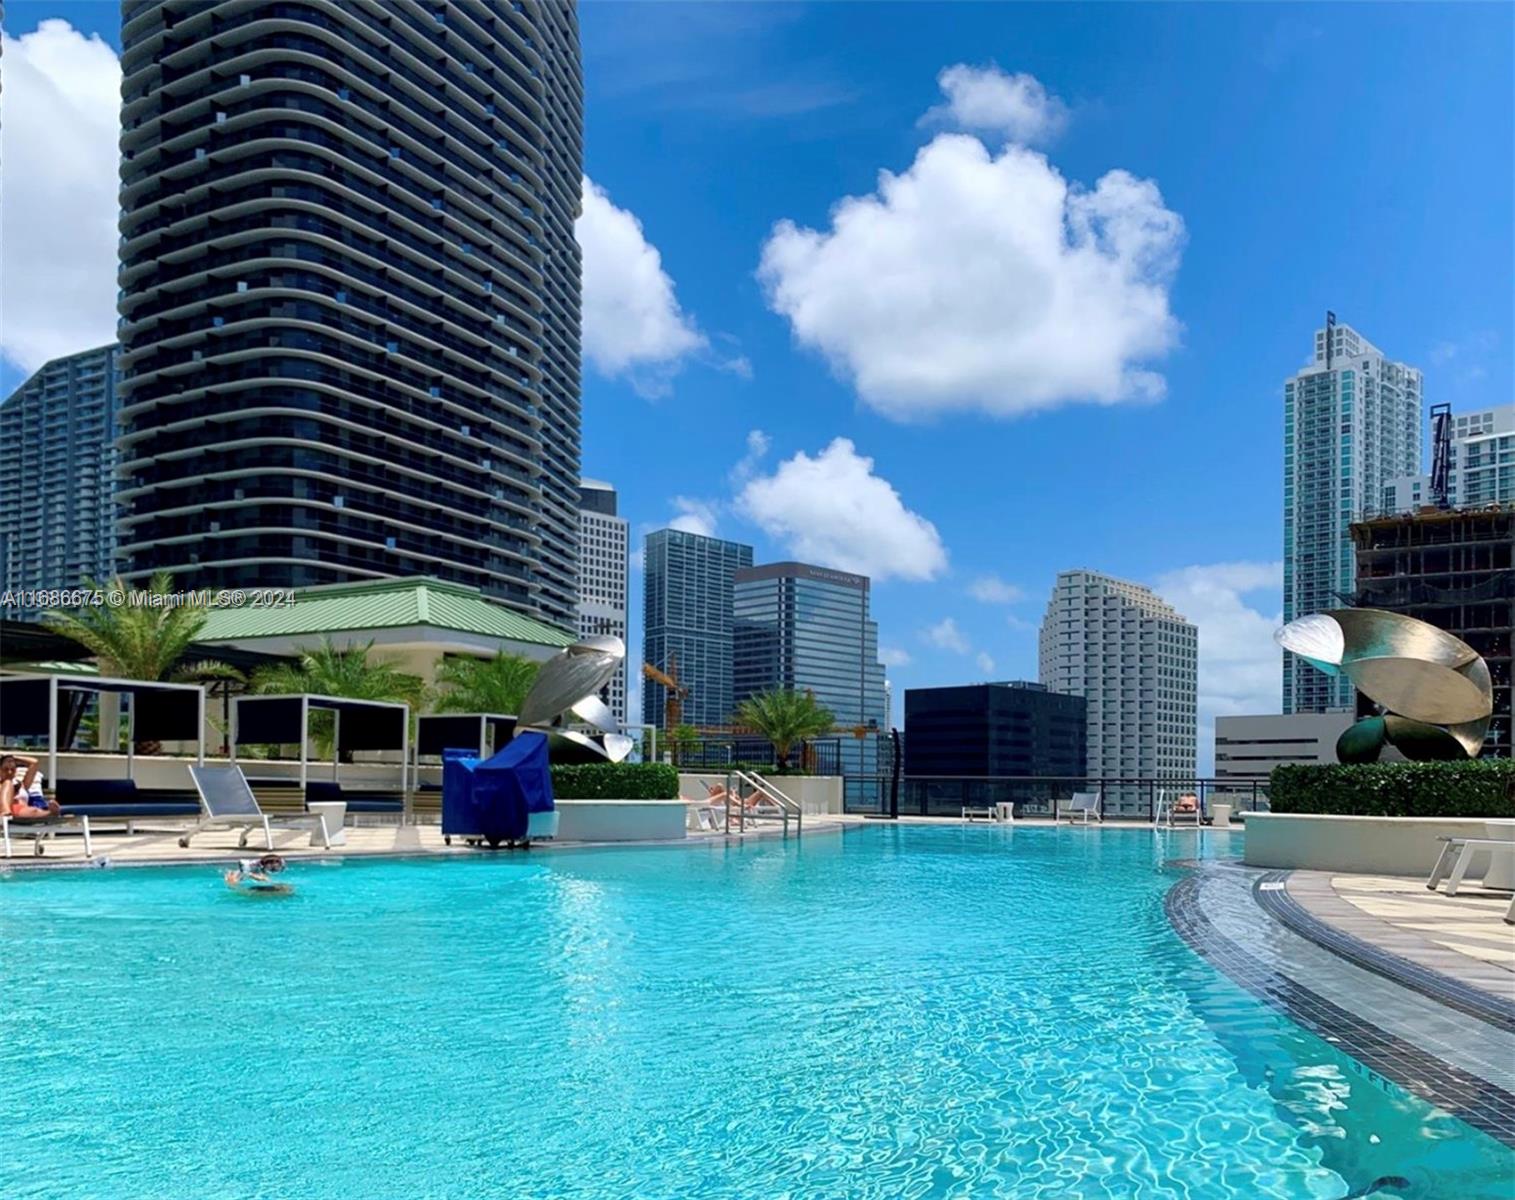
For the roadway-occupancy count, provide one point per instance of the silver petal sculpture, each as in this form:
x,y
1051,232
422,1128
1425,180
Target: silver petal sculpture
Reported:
x,y
569,682
1414,671
1316,639
569,676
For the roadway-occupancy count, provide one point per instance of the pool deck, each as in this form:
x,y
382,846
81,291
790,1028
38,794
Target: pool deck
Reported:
x,y
160,847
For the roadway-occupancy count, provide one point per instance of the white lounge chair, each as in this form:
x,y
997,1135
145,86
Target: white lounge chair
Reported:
x,y
1081,804
978,813
1457,856
40,829
228,803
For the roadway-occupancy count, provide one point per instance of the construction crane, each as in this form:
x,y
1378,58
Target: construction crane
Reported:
x,y
673,704
1441,453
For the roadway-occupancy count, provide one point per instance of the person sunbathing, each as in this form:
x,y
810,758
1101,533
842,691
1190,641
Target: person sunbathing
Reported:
x,y
1186,804
17,772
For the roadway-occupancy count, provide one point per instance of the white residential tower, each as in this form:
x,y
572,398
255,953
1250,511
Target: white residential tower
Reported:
x,y
603,546
1135,660
1352,425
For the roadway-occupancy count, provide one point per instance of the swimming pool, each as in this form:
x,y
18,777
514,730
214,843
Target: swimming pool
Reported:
x,y
896,1012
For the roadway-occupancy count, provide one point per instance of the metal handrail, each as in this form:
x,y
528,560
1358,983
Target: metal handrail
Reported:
x,y
786,805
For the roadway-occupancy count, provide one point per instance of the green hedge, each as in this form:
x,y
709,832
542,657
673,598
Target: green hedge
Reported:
x,y
1479,788
615,781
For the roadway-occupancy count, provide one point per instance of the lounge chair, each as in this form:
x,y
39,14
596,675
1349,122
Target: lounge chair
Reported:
x,y
39,829
1184,808
1457,856
978,813
1084,804
227,802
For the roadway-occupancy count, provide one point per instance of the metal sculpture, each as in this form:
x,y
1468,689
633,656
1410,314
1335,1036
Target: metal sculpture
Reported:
x,y
1433,690
569,683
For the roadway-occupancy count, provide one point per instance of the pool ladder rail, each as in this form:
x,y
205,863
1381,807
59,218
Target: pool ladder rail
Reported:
x,y
760,800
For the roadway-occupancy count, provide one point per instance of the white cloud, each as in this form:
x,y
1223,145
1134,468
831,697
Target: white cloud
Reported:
x,y
1239,664
991,589
695,516
60,122
833,510
633,325
988,100
947,636
892,656
984,663
976,282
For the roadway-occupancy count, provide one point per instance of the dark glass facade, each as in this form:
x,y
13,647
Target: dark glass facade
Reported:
x,y
350,294
994,730
57,517
801,628
686,620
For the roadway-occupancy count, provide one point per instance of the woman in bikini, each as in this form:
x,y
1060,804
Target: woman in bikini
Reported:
x,y
17,771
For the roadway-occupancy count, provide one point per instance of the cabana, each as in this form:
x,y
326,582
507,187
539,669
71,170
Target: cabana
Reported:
x,y
51,707
483,732
356,725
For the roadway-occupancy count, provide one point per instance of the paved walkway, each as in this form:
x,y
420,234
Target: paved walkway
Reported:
x,y
1463,937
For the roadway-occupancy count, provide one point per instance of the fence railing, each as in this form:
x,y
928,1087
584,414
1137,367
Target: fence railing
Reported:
x,y
819,756
1131,799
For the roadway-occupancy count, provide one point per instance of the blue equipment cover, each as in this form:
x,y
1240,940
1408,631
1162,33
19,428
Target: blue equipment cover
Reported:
x,y
493,799
460,816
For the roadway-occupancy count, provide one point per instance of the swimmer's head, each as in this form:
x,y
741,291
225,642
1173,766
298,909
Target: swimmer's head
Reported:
x,y
272,863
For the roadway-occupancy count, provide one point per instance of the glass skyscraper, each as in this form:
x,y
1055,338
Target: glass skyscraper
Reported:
x,y
57,513
687,622
801,628
1352,425
350,294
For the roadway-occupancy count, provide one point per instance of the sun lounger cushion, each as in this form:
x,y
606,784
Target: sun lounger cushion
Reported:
x,y
123,798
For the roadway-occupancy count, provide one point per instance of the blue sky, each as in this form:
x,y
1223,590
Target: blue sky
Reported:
x,y
1278,160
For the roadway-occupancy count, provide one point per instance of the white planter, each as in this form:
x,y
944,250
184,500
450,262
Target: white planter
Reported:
x,y
620,820
1368,845
1501,873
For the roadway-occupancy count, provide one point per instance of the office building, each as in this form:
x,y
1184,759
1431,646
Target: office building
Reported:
x,y
1456,570
1352,425
687,623
57,512
995,729
803,628
1481,467
603,548
1248,748
350,295
1134,659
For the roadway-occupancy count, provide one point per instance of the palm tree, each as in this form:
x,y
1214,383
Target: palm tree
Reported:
x,y
140,638
343,671
785,718
485,685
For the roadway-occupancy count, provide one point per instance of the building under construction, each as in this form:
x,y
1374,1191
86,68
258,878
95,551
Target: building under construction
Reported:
x,y
1453,568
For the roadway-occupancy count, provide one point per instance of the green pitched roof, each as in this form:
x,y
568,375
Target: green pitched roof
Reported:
x,y
381,604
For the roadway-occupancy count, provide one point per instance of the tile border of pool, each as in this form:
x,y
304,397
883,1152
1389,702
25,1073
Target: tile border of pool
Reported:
x,y
1476,1101
1454,993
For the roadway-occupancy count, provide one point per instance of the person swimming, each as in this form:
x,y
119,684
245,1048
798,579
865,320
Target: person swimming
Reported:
x,y
252,875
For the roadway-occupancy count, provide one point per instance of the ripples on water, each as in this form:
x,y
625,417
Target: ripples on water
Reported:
x,y
900,1012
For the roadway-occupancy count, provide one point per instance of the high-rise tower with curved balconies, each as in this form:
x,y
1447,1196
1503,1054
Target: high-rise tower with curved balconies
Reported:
x,y
350,293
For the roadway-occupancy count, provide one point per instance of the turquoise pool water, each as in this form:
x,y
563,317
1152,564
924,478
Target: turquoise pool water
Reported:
x,y
898,1012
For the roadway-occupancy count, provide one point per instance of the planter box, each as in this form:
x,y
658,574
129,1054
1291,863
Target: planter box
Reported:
x,y
1366,845
620,820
